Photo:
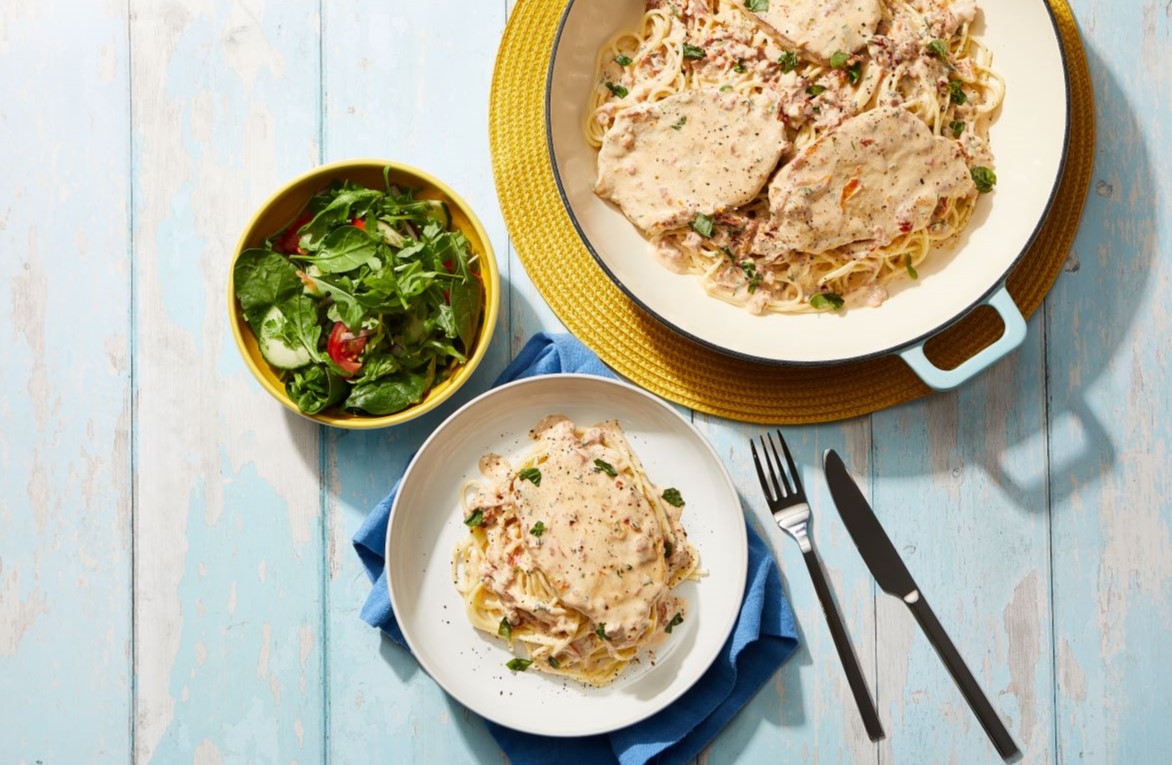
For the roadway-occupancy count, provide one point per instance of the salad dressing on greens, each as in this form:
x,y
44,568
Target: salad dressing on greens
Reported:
x,y
365,301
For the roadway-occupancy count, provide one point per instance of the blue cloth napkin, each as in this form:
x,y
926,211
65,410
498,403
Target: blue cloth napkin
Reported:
x,y
763,637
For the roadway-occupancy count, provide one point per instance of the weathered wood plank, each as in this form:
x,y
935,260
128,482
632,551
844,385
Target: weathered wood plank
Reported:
x,y
960,486
228,545
65,504
1109,325
404,83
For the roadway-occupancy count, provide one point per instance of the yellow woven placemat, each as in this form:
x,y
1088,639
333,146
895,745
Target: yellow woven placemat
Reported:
x,y
649,354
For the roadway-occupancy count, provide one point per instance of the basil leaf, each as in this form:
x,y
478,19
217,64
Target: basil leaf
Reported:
x,y
519,665
957,128
985,179
343,249
826,300
702,225
476,518
314,388
816,90
600,631
956,92
602,466
263,279
506,629
739,67
911,269
530,474
618,90
725,88
680,123
676,621
693,52
538,529
788,61
757,6
754,278
622,60
668,549
854,73
939,49
553,662
839,59
673,498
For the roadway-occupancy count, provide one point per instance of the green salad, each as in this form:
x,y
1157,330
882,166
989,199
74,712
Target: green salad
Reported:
x,y
365,301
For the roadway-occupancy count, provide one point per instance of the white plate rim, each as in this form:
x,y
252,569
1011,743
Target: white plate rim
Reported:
x,y
740,570
903,345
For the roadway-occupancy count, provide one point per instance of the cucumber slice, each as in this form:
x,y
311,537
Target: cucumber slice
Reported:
x,y
273,345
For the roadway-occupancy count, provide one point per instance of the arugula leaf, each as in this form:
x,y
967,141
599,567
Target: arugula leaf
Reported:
x,y
377,365
618,90
702,225
519,665
788,61
672,497
314,388
757,6
827,300
476,518
676,621
602,466
263,279
466,299
343,249
694,52
538,529
530,474
350,201
985,179
351,308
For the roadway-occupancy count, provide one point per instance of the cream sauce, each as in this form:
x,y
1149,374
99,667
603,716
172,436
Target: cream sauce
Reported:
x,y
820,28
700,151
601,548
872,178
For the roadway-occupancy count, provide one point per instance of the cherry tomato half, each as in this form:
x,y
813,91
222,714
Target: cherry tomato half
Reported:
x,y
344,348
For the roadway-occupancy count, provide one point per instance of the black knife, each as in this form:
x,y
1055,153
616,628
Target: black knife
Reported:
x,y
892,575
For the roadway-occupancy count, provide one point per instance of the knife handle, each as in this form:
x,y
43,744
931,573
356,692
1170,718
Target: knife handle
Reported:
x,y
846,654
964,679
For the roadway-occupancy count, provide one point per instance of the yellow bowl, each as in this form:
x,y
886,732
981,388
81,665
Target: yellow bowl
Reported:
x,y
287,203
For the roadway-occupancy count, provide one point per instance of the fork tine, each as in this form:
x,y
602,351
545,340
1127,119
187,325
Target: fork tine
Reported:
x,y
769,496
781,470
774,465
793,468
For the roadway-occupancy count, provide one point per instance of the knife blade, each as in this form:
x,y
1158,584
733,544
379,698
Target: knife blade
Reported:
x,y
892,575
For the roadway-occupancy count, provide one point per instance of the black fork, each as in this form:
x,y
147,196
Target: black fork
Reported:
x,y
787,502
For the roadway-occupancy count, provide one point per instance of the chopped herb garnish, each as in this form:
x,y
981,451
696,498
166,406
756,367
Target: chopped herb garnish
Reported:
x,y
702,225
816,90
519,665
911,269
956,92
728,253
680,122
673,498
506,629
553,662
739,67
622,60
788,61
957,128
757,6
939,49
694,52
668,549
839,59
600,631
985,179
750,269
676,621
475,518
530,474
826,300
724,88
602,466
538,529
854,73
618,90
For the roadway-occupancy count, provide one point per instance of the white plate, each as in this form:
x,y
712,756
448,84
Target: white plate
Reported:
x,y
426,524
1028,140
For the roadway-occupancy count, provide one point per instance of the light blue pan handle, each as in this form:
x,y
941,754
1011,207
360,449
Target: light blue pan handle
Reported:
x,y
947,379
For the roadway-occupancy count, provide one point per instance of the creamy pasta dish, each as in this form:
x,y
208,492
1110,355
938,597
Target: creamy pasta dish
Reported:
x,y
573,554
796,155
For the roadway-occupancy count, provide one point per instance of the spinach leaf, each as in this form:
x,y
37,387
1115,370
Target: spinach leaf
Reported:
x,y
351,306
343,249
314,388
377,366
263,279
302,325
467,303
391,394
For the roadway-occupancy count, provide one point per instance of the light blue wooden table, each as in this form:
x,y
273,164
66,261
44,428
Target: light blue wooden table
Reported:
x,y
176,578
